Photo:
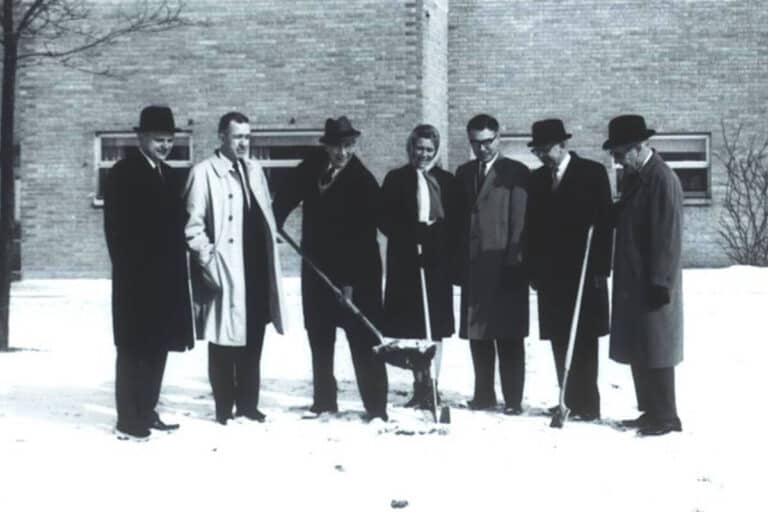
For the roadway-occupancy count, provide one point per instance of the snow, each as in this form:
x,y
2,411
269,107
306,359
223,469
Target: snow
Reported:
x,y
58,451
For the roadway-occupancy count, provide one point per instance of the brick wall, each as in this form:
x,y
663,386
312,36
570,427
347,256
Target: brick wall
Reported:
x,y
683,65
284,66
388,65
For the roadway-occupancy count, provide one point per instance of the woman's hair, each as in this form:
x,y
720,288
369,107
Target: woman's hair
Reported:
x,y
424,131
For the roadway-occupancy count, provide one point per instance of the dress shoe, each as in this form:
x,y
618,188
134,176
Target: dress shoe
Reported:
x,y
585,415
253,415
315,412
638,422
660,427
371,416
481,405
513,411
318,409
129,433
159,424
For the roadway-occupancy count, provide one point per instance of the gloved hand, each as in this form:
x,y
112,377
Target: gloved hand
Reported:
x,y
658,296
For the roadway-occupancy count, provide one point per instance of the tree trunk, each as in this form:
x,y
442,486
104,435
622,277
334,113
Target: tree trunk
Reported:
x,y
7,199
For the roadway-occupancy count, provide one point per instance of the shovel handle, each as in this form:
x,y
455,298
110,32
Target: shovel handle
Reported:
x,y
339,295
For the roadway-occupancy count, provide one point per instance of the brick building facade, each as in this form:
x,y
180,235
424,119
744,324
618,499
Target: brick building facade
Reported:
x,y
389,65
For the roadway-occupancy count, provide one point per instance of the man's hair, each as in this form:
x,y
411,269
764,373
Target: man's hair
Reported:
x,y
228,118
481,122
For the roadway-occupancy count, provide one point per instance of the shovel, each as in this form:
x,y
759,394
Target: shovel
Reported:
x,y
410,356
561,414
445,412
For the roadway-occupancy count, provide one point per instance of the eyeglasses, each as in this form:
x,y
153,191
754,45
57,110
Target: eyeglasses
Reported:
x,y
483,142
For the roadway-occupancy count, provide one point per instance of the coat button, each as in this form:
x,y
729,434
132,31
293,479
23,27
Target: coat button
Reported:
x,y
230,217
231,196
231,240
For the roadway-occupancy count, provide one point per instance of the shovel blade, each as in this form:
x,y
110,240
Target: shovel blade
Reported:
x,y
445,415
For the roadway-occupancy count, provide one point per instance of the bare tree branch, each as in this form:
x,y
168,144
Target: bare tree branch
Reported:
x,y
744,223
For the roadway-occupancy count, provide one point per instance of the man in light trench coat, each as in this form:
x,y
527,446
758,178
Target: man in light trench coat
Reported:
x,y
491,195
647,320
235,271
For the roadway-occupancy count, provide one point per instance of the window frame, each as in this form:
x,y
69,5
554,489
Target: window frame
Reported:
x,y
98,202
283,162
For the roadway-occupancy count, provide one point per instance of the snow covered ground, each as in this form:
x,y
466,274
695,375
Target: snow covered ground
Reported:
x,y
58,452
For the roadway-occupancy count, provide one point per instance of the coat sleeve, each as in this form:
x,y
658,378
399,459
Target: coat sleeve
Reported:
x,y
120,220
459,228
517,207
394,217
290,193
602,244
358,234
196,196
666,211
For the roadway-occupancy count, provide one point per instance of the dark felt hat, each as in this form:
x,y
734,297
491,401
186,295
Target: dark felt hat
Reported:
x,y
156,119
627,129
548,131
337,130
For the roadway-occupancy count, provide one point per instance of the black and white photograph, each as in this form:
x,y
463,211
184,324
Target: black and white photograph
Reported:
x,y
372,255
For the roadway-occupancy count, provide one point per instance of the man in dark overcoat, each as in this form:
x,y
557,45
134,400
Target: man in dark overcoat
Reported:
x,y
340,199
491,196
144,219
565,196
647,318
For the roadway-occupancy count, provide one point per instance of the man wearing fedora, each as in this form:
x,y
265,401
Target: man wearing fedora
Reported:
x,y
491,202
565,196
236,277
340,200
151,312
647,319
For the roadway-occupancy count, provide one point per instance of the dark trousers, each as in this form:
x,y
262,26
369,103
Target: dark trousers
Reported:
x,y
138,377
581,395
235,375
511,353
370,371
655,391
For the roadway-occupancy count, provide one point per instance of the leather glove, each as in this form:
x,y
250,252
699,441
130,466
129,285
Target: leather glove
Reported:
x,y
658,296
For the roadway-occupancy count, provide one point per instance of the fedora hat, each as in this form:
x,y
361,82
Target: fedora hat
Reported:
x,y
548,131
627,129
337,130
156,119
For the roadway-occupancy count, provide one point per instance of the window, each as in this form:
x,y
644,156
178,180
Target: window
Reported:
x,y
515,146
280,151
688,155
111,147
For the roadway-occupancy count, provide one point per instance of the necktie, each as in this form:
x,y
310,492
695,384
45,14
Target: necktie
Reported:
x,y
481,175
243,187
555,179
326,177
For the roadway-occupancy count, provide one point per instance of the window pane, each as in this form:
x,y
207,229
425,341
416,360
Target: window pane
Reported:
x,y
694,181
516,147
279,177
280,152
117,147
